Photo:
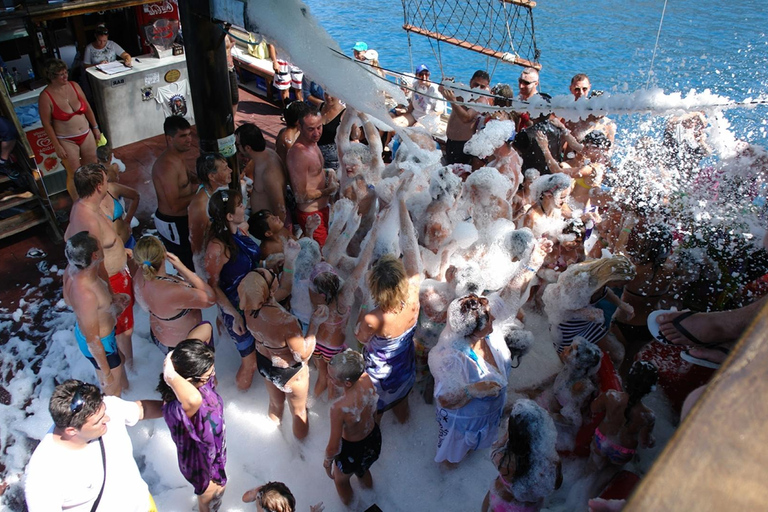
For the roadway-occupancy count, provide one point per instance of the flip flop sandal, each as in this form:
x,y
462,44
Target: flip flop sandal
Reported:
x,y
706,363
677,322
653,325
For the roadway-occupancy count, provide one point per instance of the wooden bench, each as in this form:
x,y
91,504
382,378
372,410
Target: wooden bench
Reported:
x,y
261,68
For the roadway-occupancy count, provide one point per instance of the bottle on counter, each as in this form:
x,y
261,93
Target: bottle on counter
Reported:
x,y
10,83
16,76
31,75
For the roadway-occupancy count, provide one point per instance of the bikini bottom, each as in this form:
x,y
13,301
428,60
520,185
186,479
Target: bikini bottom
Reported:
x,y
77,139
274,374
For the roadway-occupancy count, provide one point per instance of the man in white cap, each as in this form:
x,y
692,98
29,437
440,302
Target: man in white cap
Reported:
x,y
426,101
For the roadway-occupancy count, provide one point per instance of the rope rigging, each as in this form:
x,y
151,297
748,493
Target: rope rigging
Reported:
x,y
656,46
481,26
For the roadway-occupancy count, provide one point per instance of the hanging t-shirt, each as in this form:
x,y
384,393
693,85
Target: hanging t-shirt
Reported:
x,y
175,101
59,478
109,53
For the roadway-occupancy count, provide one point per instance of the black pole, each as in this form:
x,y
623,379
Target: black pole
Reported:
x,y
206,56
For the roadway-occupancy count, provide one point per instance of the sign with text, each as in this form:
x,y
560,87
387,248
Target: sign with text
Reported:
x,y
45,155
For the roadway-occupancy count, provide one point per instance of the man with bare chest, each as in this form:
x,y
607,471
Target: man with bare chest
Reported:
x,y
175,189
89,297
266,170
87,215
312,186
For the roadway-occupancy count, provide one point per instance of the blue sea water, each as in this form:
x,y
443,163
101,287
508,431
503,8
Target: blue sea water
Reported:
x,y
703,44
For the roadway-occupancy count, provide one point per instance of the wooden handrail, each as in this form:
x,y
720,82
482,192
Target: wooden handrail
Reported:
x,y
524,3
44,12
470,46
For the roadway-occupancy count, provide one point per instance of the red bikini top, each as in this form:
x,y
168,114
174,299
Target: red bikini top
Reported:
x,y
59,114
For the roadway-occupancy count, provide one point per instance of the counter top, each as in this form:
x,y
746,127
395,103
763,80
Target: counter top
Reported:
x,y
141,64
26,97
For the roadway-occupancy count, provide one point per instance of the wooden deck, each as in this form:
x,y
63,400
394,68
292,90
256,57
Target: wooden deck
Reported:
x,y
17,271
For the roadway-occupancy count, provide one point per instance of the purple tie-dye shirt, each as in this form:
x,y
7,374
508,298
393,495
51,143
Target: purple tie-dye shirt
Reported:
x,y
200,440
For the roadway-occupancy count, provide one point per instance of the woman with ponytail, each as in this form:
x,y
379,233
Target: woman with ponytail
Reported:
x,y
174,302
229,256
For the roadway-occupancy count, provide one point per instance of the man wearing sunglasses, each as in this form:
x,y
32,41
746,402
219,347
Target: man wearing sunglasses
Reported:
x,y
528,84
85,461
580,86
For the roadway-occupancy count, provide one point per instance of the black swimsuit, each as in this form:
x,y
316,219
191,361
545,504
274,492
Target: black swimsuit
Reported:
x,y
275,374
181,313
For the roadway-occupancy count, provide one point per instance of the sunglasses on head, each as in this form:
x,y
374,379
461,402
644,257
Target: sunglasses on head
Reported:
x,y
78,400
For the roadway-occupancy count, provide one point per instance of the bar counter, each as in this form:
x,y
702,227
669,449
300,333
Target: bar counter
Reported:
x,y
126,104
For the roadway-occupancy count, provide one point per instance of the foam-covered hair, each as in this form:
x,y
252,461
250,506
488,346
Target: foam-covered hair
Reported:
x,y
531,174
584,356
308,257
468,314
550,183
492,181
359,151
517,242
444,184
538,459
519,342
79,249
469,279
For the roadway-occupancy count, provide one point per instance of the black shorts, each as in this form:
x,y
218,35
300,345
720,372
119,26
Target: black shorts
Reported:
x,y
277,376
113,359
173,231
359,456
634,333
454,152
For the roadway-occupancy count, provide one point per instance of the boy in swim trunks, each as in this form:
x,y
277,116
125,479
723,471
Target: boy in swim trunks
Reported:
x,y
355,440
95,308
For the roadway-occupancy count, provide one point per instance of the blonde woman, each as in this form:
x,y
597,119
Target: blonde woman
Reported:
x,y
571,303
386,331
174,302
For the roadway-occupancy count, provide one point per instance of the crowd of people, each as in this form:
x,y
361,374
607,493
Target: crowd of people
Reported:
x,y
382,277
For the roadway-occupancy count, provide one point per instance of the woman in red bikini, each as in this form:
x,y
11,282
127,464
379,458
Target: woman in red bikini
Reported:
x,y
68,120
